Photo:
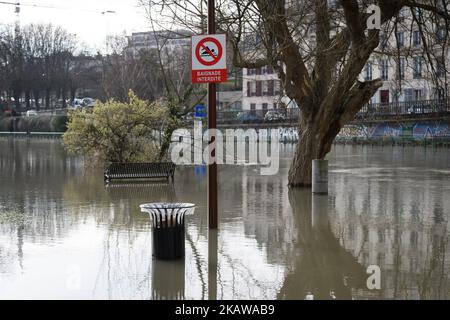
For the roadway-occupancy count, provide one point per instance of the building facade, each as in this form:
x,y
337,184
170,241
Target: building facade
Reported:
x,y
412,64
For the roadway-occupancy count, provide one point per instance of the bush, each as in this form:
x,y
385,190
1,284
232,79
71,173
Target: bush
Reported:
x,y
117,132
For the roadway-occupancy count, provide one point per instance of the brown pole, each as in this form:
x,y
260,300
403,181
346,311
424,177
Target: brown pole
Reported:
x,y
212,124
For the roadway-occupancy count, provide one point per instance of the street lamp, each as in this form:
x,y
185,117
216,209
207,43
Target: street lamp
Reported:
x,y
104,13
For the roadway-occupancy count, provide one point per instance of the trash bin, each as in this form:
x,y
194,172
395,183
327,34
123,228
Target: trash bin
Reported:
x,y
168,228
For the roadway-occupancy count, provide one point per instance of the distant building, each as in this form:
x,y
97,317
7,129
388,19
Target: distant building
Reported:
x,y
229,101
170,41
262,90
400,62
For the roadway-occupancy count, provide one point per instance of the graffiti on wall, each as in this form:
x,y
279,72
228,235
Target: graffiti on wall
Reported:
x,y
420,130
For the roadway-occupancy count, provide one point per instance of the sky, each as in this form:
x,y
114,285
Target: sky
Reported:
x,y
81,17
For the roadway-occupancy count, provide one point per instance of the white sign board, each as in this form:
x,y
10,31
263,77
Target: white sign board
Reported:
x,y
209,58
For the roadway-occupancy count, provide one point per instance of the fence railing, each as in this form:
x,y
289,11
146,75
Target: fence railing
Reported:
x,y
259,116
407,108
377,110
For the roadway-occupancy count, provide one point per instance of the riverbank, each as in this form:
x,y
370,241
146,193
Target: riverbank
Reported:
x,y
34,135
44,123
395,141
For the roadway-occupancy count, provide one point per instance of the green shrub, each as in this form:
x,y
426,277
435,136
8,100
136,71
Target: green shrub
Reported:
x,y
117,132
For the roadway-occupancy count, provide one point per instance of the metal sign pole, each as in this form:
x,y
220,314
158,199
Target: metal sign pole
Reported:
x,y
212,124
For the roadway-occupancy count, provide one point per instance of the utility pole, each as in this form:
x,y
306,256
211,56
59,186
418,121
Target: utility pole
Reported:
x,y
212,125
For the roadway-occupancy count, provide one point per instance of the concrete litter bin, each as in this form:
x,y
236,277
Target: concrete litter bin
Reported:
x,y
168,228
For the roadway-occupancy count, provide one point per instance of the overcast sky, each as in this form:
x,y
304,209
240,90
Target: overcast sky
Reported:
x,y
81,17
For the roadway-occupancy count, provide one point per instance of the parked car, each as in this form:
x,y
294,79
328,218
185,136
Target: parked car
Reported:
x,y
77,104
88,103
31,113
274,115
420,109
248,117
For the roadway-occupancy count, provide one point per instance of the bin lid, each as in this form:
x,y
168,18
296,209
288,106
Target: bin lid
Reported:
x,y
167,205
168,208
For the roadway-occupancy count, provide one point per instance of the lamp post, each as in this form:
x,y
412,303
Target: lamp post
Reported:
x,y
104,13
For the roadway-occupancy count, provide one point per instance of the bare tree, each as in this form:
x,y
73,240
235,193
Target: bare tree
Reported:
x,y
35,58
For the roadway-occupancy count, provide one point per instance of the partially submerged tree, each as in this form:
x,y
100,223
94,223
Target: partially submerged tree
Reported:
x,y
117,131
321,73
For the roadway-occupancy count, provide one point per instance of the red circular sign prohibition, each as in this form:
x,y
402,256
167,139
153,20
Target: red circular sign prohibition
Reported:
x,y
202,47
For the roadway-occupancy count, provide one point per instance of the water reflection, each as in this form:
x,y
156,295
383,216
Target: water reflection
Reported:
x,y
395,216
322,265
165,287
64,235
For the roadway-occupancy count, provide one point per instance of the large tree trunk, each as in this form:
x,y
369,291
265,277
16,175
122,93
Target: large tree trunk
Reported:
x,y
306,151
314,143
320,126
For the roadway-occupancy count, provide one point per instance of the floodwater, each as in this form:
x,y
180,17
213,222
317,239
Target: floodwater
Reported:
x,y
63,235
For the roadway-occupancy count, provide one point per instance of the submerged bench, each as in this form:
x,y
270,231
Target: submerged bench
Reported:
x,y
131,171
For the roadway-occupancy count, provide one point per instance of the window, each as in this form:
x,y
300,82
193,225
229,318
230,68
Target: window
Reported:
x,y
265,88
249,89
258,88
417,40
401,69
368,72
265,106
384,96
440,68
384,65
400,39
258,71
418,95
252,88
249,72
277,87
409,95
441,34
270,87
439,94
417,68
252,108
383,42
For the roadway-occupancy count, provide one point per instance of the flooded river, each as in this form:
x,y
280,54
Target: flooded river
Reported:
x,y
64,235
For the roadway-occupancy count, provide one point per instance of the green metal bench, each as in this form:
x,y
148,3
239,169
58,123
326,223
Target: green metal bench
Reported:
x,y
132,171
